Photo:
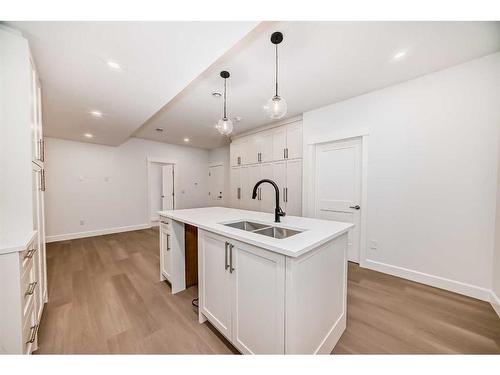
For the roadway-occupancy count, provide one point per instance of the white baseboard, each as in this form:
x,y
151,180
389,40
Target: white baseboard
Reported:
x,y
495,302
100,232
333,336
432,280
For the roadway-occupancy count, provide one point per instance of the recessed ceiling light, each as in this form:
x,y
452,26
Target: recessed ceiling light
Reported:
x,y
186,139
159,129
399,55
96,113
114,65
88,135
216,94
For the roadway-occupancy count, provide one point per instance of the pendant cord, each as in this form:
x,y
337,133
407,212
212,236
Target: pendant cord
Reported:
x,y
225,99
276,69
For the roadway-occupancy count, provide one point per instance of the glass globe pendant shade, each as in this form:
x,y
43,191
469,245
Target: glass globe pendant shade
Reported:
x,y
224,126
276,107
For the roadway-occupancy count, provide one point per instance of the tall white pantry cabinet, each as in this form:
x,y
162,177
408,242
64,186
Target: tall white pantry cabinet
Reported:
x,y
274,154
23,277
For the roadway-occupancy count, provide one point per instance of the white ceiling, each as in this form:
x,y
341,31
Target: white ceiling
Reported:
x,y
320,63
171,68
158,60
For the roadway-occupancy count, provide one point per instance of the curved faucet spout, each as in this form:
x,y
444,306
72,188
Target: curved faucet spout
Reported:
x,y
277,211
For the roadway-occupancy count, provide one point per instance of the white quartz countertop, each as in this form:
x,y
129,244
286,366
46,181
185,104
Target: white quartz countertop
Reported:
x,y
315,231
14,243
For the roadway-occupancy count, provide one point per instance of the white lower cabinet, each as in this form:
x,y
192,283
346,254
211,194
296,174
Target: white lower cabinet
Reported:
x,y
166,254
172,254
242,293
258,300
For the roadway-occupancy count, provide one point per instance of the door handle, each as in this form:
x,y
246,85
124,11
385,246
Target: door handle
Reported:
x,y
356,207
231,269
168,242
226,265
239,193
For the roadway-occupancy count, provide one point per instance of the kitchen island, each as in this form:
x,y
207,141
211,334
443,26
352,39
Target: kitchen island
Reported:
x,y
269,288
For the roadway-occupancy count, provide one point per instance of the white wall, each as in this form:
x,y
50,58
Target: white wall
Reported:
x,y
432,173
496,256
106,186
221,155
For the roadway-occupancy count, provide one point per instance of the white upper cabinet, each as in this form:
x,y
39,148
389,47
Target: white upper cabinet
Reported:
x,y
294,141
274,154
279,143
235,153
264,146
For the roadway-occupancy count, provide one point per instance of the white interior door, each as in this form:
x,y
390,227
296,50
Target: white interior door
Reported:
x,y
216,183
167,187
337,189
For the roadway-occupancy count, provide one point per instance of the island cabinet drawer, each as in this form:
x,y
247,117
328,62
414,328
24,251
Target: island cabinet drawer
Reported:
x,y
165,224
30,329
28,286
26,257
230,273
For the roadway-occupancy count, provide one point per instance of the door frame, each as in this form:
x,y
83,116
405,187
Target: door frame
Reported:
x,y
162,161
309,179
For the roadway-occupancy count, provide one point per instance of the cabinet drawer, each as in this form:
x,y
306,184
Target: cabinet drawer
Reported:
x,y
165,224
30,328
28,286
26,257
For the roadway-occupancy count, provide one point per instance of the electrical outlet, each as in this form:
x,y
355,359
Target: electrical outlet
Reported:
x,y
82,222
373,245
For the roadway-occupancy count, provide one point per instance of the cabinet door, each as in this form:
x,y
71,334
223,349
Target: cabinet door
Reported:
x,y
258,300
215,283
279,176
267,191
166,254
264,143
246,190
293,191
254,177
235,187
235,153
294,140
279,143
251,149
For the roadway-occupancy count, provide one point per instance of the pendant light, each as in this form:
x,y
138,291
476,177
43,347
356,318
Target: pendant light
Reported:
x,y
276,106
225,125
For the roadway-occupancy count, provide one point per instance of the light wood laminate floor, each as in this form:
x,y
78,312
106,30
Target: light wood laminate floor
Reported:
x,y
105,297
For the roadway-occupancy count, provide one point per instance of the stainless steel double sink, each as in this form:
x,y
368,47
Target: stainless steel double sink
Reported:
x,y
264,229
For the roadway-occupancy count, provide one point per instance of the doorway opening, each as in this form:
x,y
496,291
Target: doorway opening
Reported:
x,y
161,188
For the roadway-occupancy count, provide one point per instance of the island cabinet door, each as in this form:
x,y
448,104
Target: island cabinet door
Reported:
x,y
166,255
214,281
258,299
